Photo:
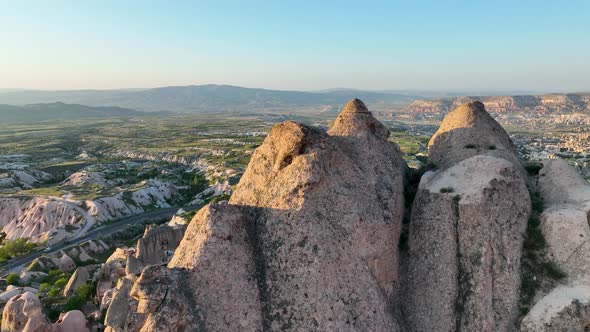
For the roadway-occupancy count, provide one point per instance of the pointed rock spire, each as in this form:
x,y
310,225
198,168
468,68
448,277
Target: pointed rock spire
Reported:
x,y
356,120
355,106
467,131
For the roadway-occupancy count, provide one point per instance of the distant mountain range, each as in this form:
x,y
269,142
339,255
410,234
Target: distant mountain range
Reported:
x,y
539,104
204,98
51,111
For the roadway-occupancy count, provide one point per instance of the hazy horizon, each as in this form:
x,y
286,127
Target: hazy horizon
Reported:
x,y
528,46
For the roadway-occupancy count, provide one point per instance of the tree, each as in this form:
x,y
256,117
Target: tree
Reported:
x,y
74,303
85,291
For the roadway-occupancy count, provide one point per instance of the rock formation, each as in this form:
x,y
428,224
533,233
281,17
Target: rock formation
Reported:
x,y
307,242
24,313
467,228
466,132
465,247
565,225
157,244
78,278
309,239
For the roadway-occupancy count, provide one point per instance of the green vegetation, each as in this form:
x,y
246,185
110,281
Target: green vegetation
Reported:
x,y
447,190
533,167
536,269
13,279
15,248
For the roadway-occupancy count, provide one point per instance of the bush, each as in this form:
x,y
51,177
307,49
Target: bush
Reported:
x,y
447,190
61,282
492,147
536,269
470,146
85,291
13,279
75,302
533,167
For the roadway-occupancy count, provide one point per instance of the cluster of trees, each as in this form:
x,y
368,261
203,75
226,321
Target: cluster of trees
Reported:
x,y
51,294
14,248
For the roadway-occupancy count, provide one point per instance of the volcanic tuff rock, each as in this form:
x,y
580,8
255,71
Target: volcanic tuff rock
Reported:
x,y
469,131
465,247
565,225
328,223
156,244
467,228
24,313
307,242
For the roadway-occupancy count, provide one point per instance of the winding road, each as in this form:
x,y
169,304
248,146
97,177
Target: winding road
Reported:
x,y
94,234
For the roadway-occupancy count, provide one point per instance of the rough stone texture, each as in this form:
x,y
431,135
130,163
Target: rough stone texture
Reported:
x,y
329,209
157,244
564,309
307,242
465,247
133,266
560,183
469,131
166,300
210,283
24,313
78,278
66,263
122,313
565,225
71,321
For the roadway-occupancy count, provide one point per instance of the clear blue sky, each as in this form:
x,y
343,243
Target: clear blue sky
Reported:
x,y
307,45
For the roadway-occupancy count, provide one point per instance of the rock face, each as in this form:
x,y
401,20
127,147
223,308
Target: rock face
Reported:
x,y
465,247
328,224
71,321
565,225
158,243
37,218
467,228
24,313
307,242
466,132
78,278
210,280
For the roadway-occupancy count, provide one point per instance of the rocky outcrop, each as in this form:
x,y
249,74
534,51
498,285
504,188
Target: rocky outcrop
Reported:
x,y
78,278
467,228
37,218
155,194
466,132
122,312
25,313
71,321
466,236
66,263
157,244
308,240
330,209
565,225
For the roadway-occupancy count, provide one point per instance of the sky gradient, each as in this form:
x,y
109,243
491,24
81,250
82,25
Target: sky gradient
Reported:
x,y
302,45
